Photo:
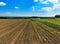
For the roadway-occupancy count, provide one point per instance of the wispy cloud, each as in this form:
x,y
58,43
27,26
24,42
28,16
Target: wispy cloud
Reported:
x,y
47,9
47,1
51,10
33,8
35,0
56,6
16,7
2,3
53,1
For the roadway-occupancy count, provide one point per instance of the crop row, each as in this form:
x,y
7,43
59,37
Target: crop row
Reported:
x,y
10,31
46,34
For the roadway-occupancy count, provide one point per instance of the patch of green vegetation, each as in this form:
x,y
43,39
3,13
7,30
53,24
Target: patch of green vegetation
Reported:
x,y
54,23
47,28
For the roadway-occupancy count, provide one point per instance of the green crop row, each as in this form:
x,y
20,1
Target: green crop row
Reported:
x,y
49,29
54,23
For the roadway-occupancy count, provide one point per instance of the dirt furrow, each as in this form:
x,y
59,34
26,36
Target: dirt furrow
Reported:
x,y
26,31
6,24
46,37
6,35
10,30
18,33
30,36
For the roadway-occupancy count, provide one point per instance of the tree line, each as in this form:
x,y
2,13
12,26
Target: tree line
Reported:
x,y
57,16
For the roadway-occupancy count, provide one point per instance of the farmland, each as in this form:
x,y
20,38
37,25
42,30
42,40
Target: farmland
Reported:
x,y
30,31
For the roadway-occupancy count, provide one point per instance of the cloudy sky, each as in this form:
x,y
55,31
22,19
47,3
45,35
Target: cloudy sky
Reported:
x,y
45,8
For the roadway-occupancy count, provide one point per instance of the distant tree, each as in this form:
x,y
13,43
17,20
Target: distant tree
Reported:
x,y
57,16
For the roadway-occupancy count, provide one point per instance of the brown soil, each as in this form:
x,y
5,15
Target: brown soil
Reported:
x,y
23,32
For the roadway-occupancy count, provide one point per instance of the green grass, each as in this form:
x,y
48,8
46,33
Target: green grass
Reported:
x,y
54,23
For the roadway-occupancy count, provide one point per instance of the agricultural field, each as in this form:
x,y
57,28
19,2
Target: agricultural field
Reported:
x,y
30,31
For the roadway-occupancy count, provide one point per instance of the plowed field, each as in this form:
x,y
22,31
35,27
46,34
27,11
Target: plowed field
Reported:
x,y
27,31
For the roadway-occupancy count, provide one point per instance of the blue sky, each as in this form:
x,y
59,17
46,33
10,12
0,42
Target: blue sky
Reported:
x,y
43,8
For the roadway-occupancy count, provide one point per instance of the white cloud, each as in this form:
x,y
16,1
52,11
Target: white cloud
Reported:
x,y
52,10
48,9
56,6
16,7
47,1
2,3
35,0
43,2
53,1
33,8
